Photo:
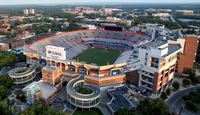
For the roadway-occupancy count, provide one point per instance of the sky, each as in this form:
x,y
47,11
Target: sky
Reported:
x,y
3,2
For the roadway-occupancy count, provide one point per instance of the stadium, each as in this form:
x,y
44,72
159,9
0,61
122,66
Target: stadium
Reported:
x,y
98,57
86,45
98,54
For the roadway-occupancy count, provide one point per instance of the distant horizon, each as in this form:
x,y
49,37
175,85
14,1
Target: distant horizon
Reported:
x,y
99,3
94,2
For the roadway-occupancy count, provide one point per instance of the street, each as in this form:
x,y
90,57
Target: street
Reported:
x,y
176,100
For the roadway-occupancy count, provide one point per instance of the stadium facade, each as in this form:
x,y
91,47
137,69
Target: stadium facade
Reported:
x,y
153,63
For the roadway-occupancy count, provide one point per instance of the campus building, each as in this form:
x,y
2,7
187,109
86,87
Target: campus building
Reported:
x,y
188,57
46,89
158,64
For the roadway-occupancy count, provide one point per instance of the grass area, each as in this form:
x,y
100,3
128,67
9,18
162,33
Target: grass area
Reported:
x,y
84,90
98,56
22,71
92,111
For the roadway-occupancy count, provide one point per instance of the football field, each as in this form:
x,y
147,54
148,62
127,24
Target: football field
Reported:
x,y
98,56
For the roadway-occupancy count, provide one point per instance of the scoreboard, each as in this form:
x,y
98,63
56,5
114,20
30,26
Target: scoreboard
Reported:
x,y
113,28
55,52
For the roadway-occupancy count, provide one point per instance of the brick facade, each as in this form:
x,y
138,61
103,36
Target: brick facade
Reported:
x,y
187,59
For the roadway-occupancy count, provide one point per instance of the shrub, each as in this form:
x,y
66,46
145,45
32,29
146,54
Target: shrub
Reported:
x,y
195,79
186,82
3,92
21,97
168,91
164,95
176,85
192,106
6,81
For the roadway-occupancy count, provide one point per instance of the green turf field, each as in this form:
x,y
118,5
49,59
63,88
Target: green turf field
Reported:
x,y
98,56
93,111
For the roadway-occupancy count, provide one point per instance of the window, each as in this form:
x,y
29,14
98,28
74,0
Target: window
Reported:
x,y
161,78
151,74
162,72
172,70
166,74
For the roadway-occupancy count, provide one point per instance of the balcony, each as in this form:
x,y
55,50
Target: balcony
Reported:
x,y
146,85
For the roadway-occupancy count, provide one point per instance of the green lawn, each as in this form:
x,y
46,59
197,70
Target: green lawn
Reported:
x,y
84,90
93,111
98,56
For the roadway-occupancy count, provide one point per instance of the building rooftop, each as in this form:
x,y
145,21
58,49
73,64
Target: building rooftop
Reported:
x,y
154,44
172,48
50,68
45,88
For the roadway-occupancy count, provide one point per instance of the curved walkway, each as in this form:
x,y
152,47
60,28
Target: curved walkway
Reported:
x,y
22,75
82,100
175,101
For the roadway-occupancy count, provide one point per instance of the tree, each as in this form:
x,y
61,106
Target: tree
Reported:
x,y
7,59
192,101
3,92
21,57
153,107
186,82
164,95
176,85
41,109
168,91
21,97
195,79
192,106
151,19
6,108
198,54
123,111
6,81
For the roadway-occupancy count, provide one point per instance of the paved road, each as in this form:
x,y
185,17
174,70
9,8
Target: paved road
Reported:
x,y
175,101
172,18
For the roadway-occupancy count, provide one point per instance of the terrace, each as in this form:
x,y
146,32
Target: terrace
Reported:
x,y
119,99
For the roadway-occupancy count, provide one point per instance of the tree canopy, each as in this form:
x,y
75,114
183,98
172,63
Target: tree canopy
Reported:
x,y
5,108
147,107
192,101
3,92
6,81
124,111
41,109
153,107
7,59
150,19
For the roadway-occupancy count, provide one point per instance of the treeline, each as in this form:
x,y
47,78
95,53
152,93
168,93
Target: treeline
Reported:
x,y
151,19
41,109
147,107
5,105
9,58
198,54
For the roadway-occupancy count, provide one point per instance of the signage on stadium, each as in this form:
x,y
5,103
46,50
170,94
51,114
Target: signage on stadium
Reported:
x,y
55,52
